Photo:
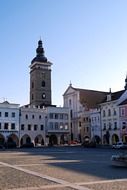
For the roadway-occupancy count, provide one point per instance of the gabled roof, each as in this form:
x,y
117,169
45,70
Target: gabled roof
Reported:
x,y
89,98
123,103
115,95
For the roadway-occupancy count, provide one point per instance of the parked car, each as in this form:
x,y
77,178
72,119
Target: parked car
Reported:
x,y
10,144
2,147
27,145
119,145
91,144
119,159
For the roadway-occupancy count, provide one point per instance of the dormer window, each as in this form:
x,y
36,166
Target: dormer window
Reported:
x,y
108,97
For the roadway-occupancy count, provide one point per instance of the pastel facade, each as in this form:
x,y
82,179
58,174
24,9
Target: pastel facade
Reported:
x,y
57,125
81,102
123,120
96,130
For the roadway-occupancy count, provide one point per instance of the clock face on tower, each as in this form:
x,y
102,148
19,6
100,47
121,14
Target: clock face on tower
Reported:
x,y
43,96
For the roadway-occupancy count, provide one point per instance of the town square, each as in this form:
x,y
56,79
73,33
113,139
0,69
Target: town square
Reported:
x,y
66,168
63,95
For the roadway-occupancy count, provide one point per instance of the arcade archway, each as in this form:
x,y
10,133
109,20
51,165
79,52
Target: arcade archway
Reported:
x,y
2,139
25,139
39,140
53,140
115,138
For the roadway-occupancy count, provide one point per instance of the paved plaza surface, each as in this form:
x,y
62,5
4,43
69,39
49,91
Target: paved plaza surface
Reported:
x,y
60,168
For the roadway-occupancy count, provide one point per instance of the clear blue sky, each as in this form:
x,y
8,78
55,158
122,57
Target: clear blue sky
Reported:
x,y
86,40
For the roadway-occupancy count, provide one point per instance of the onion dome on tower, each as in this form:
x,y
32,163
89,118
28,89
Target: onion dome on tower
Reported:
x,y
125,87
39,54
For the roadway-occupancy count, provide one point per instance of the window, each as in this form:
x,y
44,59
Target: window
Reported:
x,y
51,115
0,125
65,116
26,116
5,125
66,126
56,126
71,113
56,116
115,125
6,114
104,113
32,116
109,112
69,102
39,116
87,129
32,96
43,96
61,126
35,127
43,75
114,112
22,127
32,84
13,114
51,125
122,112
12,125
29,127
109,125
61,116
104,127
43,83
0,114
42,127
124,125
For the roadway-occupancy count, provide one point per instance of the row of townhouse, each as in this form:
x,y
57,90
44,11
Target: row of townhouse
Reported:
x,y
97,115
26,124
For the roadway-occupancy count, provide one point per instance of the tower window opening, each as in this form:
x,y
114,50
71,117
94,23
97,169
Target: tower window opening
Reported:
x,y
43,83
32,84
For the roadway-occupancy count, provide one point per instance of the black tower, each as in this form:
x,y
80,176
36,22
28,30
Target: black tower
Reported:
x,y
40,79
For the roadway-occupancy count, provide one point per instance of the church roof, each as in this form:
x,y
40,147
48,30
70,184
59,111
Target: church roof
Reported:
x,y
89,98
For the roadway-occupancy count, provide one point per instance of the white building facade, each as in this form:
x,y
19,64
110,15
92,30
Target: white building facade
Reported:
x,y
72,101
32,125
110,119
9,123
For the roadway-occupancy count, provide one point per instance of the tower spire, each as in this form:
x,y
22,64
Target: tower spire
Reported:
x,y
40,57
125,87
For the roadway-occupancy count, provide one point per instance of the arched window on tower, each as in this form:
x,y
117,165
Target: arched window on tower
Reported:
x,y
43,83
32,85
32,96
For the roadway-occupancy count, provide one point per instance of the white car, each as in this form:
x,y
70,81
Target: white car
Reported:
x,y
119,160
119,145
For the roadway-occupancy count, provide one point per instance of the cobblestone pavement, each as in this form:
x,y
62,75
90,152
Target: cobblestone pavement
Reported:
x,y
60,168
